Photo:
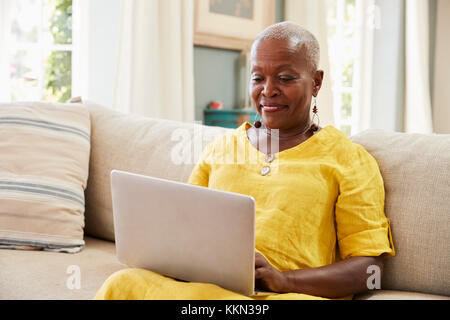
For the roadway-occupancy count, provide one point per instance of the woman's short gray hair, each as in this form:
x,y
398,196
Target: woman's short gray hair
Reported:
x,y
291,31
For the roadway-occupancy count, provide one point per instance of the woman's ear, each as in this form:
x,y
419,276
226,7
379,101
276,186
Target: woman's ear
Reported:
x,y
318,79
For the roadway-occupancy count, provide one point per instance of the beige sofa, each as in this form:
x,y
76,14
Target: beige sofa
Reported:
x,y
415,168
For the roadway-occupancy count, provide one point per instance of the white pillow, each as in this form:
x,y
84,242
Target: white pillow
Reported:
x,y
44,161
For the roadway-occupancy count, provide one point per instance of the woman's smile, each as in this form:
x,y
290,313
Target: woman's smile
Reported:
x,y
270,108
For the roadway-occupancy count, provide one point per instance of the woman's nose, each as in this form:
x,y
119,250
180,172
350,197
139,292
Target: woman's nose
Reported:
x,y
270,89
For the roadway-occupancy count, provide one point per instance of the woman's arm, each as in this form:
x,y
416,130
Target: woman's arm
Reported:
x,y
336,280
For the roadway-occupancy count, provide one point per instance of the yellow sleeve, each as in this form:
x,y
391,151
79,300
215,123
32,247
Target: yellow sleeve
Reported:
x,y
362,226
200,174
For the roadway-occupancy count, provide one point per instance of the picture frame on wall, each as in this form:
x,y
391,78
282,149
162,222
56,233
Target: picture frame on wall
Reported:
x,y
231,24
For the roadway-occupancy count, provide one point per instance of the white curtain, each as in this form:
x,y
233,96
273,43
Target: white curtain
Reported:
x,y
155,75
441,92
417,109
311,14
5,93
80,52
368,17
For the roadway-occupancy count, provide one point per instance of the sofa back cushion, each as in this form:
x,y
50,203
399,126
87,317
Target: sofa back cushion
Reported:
x,y
416,174
44,161
154,147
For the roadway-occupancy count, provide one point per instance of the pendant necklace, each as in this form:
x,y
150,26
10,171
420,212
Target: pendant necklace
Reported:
x,y
269,157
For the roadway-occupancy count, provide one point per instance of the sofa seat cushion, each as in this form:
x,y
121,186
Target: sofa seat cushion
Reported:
x,y
398,295
43,275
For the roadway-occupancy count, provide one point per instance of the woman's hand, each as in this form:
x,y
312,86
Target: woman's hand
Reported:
x,y
267,277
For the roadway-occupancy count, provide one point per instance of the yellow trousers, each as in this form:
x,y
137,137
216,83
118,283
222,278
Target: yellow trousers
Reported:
x,y
140,284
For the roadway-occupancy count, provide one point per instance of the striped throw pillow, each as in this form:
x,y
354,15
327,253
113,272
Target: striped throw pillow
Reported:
x,y
44,162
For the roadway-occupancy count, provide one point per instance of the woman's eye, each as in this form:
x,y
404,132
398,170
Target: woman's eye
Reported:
x,y
256,79
285,79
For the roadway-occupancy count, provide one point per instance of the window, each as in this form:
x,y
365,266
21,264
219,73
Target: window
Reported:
x,y
350,36
41,50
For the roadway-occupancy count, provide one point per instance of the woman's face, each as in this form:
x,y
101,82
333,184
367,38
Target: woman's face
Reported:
x,y
282,84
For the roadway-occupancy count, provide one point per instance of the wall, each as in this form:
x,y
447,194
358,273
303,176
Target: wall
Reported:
x,y
218,75
441,92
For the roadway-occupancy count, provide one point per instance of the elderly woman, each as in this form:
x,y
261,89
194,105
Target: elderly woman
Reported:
x,y
320,221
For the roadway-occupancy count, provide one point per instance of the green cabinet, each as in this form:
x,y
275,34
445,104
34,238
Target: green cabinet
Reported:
x,y
231,118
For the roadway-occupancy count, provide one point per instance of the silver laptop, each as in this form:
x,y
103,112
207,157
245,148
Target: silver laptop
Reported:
x,y
184,231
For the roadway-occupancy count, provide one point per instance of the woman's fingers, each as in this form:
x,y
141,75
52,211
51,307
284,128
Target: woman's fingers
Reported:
x,y
260,261
259,272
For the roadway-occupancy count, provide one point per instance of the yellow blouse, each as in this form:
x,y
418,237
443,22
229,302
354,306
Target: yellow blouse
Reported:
x,y
321,197
325,191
